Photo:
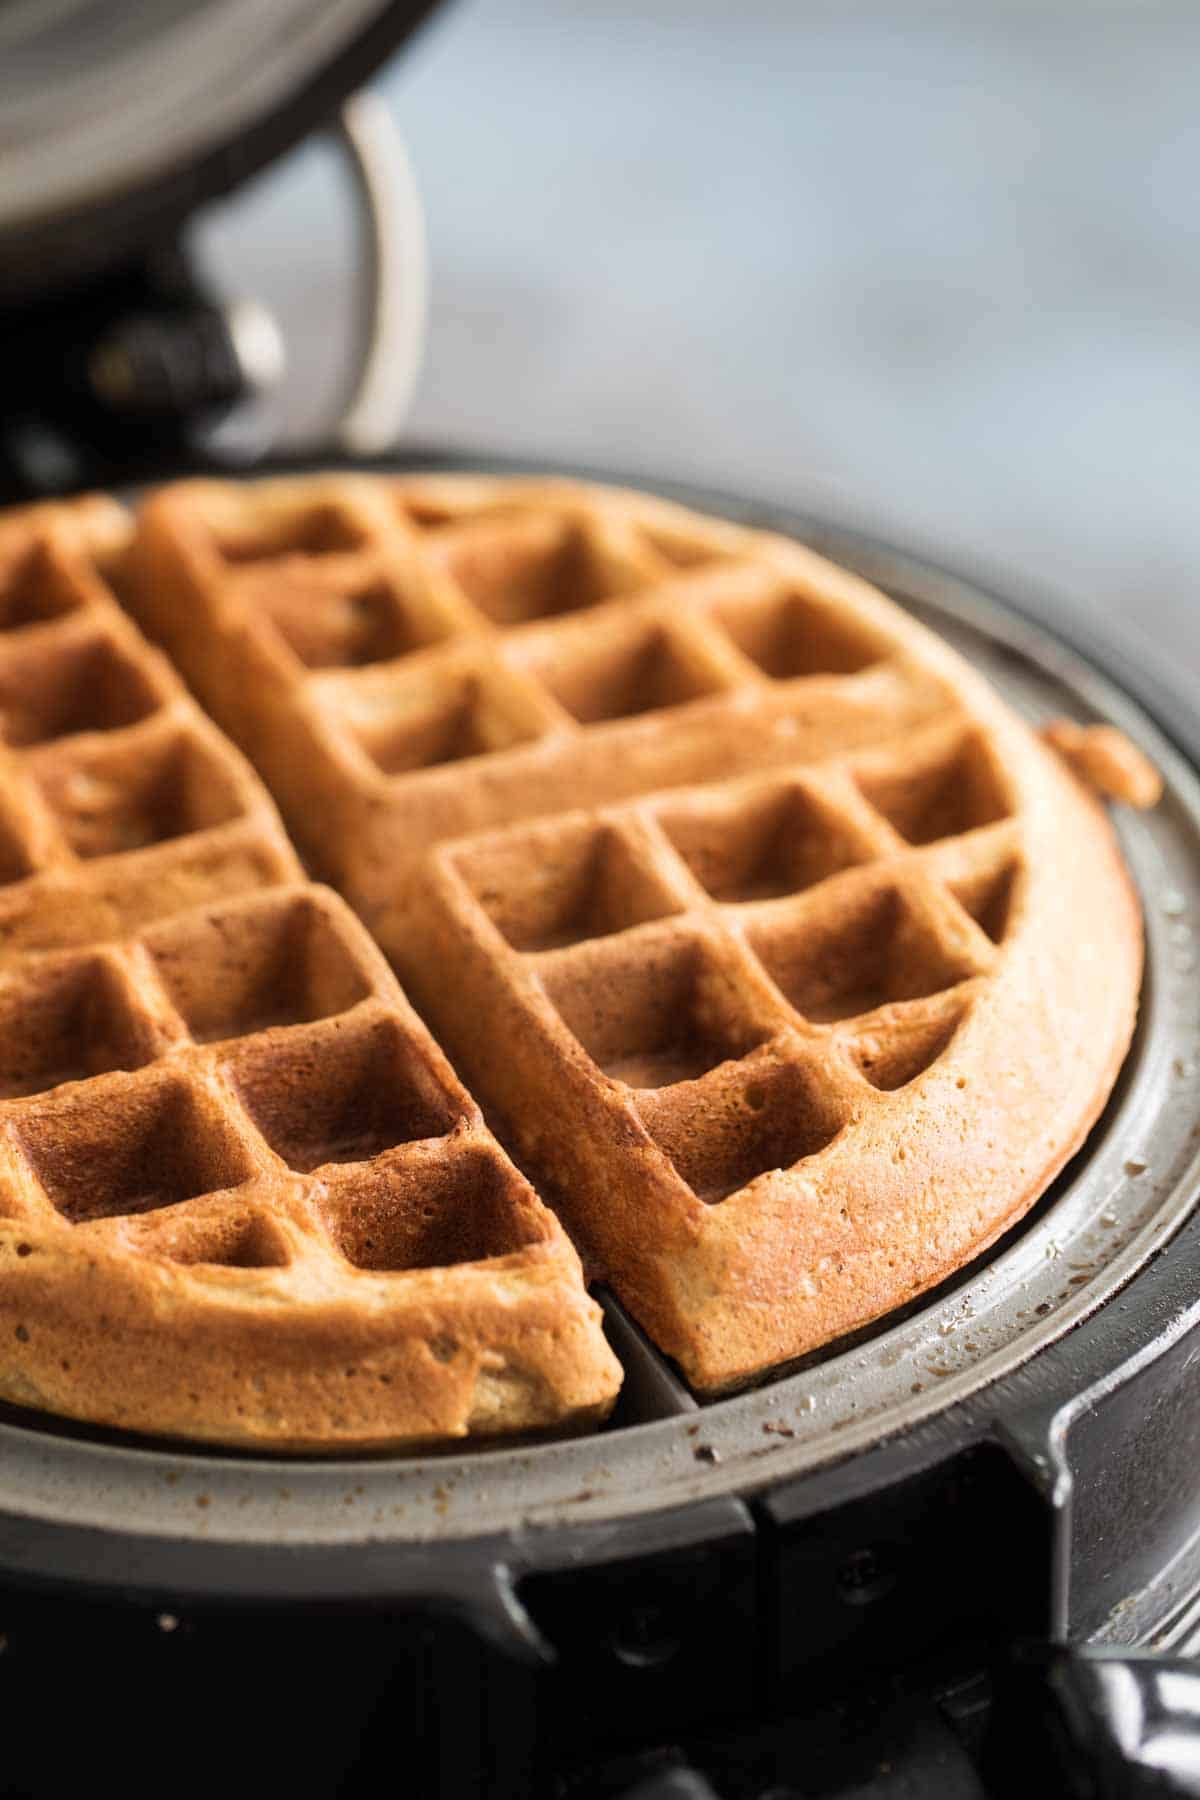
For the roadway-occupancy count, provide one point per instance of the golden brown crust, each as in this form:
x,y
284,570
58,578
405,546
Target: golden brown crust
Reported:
x,y
1105,760
243,1197
94,525
789,956
300,1234
926,1125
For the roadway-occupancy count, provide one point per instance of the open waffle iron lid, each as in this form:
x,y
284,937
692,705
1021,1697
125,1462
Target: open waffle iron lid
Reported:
x,y
1020,1353
117,122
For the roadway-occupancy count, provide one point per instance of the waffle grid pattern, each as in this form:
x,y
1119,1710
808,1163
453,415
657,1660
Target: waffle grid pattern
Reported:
x,y
786,911
431,664
791,964
216,1105
727,853
719,987
256,1047
118,800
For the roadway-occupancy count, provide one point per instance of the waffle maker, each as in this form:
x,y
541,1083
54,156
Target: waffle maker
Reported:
x,y
957,1556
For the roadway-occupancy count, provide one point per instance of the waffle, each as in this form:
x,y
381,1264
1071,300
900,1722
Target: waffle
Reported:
x,y
788,961
119,801
94,525
243,1197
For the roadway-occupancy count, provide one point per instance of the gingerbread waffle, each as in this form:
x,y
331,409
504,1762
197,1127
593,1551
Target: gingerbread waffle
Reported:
x,y
243,1197
94,525
119,801
783,954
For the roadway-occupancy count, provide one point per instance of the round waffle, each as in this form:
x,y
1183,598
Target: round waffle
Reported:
x,y
785,957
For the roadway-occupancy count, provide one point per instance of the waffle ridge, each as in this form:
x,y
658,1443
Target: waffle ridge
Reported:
x,y
118,798
787,959
243,1196
419,661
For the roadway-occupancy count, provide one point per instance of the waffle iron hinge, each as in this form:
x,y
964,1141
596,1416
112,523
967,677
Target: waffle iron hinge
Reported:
x,y
131,371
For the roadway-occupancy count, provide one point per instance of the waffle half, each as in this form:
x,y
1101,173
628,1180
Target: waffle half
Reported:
x,y
243,1197
786,958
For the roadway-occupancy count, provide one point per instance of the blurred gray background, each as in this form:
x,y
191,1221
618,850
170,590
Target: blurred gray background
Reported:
x,y
932,267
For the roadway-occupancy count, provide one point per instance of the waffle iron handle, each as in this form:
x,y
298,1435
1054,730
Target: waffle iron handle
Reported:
x,y
393,299
1095,1725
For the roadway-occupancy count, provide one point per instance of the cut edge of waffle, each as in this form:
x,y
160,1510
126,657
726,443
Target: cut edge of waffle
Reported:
x,y
243,1197
791,1063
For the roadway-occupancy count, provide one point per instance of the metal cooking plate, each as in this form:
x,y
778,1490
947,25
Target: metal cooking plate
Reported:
x,y
1106,1216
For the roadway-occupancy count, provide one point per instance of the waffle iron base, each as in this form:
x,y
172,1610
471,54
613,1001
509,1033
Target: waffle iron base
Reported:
x,y
825,1569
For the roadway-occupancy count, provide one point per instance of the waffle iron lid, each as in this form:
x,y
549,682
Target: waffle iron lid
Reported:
x,y
117,122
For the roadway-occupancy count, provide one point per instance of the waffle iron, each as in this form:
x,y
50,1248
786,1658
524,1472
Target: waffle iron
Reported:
x,y
956,1556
